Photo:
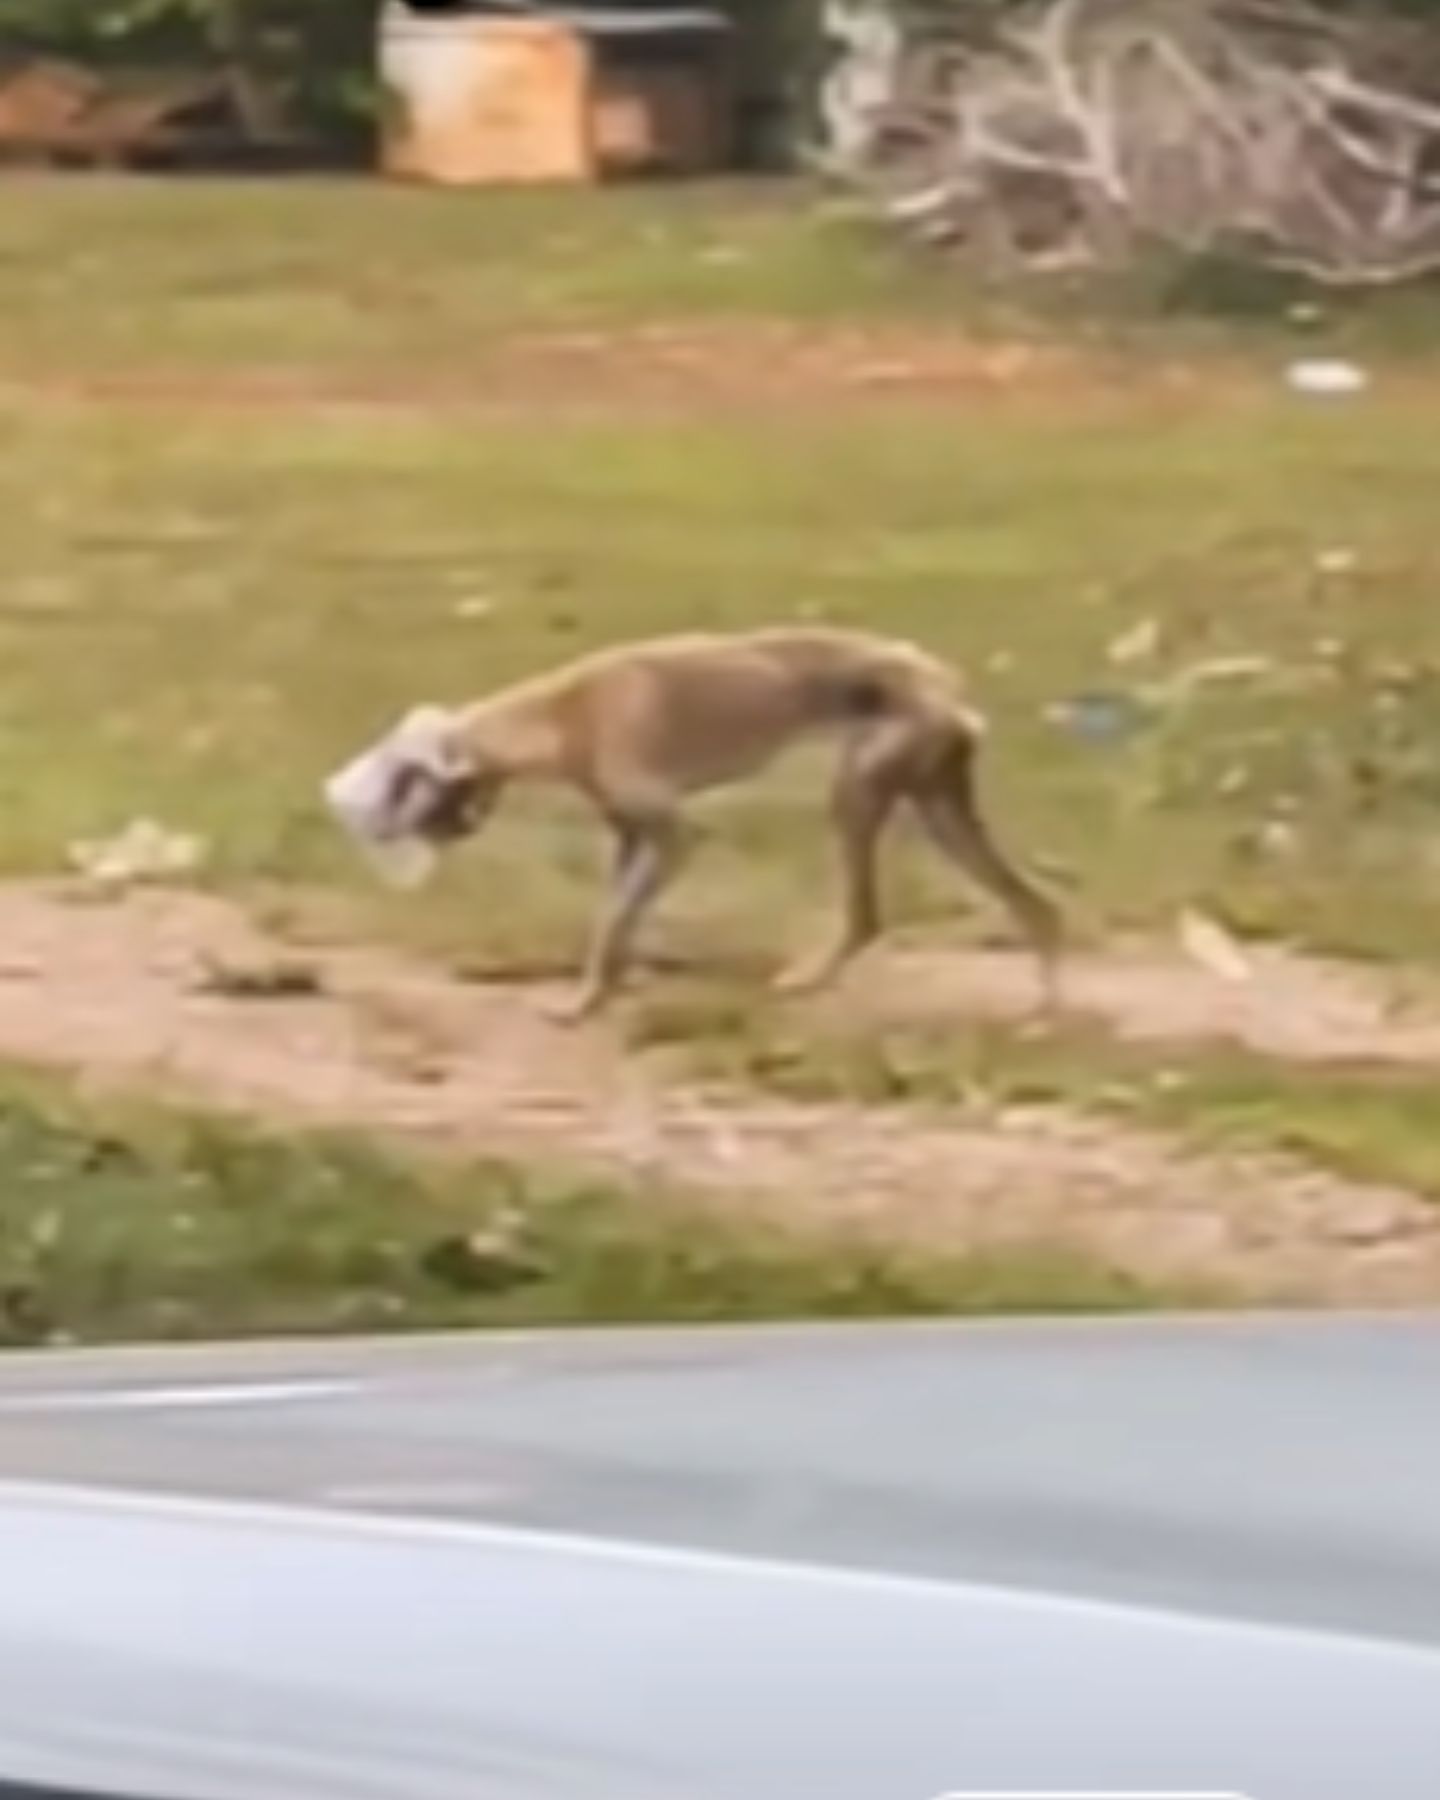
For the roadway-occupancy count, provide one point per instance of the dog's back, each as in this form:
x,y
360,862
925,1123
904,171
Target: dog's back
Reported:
x,y
706,709
844,676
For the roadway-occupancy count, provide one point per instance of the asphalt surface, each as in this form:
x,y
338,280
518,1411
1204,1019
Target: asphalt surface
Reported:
x,y
1285,1472
1126,1559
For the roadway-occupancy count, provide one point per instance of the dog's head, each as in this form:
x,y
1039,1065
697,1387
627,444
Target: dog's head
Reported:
x,y
419,788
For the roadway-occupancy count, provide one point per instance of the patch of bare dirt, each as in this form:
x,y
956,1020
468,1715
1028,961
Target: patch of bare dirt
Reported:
x,y
1299,1009
732,365
125,993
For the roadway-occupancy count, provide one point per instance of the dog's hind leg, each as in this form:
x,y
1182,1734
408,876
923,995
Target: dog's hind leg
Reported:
x,y
871,779
948,805
649,852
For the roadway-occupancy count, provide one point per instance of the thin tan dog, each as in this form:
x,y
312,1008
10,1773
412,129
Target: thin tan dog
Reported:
x,y
639,728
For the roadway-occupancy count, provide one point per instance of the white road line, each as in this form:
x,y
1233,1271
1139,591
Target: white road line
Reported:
x,y
166,1399
317,1520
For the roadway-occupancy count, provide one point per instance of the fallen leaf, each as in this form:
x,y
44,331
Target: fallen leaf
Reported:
x,y
143,851
1278,838
1212,673
1138,644
1211,947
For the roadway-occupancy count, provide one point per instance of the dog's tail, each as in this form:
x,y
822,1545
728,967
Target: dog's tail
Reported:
x,y
950,807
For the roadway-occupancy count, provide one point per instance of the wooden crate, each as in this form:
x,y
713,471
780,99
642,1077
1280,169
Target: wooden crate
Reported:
x,y
476,99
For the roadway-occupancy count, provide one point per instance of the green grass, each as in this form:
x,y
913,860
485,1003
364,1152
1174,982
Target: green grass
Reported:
x,y
206,604
362,280
203,610
357,279
1369,1125
123,1223
1364,1122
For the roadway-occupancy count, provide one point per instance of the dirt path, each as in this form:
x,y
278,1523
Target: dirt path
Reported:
x,y
741,366
1293,1008
117,992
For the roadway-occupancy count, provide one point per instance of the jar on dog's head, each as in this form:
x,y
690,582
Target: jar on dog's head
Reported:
x,y
413,791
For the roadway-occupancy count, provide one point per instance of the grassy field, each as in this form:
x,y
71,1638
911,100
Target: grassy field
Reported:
x,y
278,460
214,587
350,278
123,1222
1364,1122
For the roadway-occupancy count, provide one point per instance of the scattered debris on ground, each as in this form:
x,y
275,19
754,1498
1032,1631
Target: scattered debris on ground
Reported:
x,y
143,851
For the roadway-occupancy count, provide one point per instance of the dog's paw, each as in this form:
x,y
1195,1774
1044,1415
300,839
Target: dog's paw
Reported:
x,y
809,977
1045,1016
572,1008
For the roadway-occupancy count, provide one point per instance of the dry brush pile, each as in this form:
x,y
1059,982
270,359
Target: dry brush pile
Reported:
x,y
1076,131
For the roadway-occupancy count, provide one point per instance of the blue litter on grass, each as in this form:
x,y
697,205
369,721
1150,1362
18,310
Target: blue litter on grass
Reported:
x,y
1102,717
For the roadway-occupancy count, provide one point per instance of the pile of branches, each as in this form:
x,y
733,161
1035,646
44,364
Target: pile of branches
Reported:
x,y
1079,130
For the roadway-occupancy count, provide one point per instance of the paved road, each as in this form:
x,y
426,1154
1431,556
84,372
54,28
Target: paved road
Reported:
x,y
1286,1472
730,1566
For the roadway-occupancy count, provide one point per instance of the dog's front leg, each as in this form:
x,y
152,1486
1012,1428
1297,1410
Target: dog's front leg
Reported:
x,y
649,853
